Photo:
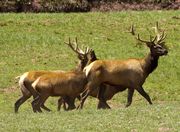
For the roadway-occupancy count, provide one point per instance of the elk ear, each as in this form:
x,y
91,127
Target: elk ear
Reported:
x,y
80,57
150,44
92,56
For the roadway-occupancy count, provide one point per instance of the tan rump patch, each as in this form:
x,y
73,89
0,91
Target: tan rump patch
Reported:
x,y
22,77
35,82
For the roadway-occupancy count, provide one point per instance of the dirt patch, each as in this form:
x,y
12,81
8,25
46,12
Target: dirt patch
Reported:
x,y
9,90
164,129
115,105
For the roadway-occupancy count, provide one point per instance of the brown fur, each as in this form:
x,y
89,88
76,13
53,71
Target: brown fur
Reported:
x,y
28,78
69,84
25,81
130,73
66,84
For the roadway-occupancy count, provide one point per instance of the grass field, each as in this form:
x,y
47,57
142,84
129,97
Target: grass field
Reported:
x,y
36,42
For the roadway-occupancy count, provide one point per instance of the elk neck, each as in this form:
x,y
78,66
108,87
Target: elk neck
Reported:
x,y
79,67
150,64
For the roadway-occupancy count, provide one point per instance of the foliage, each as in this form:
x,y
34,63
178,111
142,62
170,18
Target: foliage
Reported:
x,y
140,1
83,5
44,6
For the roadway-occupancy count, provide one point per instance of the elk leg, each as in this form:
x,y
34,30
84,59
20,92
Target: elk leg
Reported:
x,y
63,100
129,98
42,101
67,100
144,94
64,104
84,98
35,104
31,89
106,105
101,92
42,106
70,101
89,87
85,94
45,108
60,102
103,105
19,102
102,102
78,97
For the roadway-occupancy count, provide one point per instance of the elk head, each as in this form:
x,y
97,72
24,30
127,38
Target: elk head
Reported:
x,y
157,45
83,55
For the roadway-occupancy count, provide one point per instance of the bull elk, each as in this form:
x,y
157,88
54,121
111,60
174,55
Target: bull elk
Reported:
x,y
64,84
130,73
26,79
109,91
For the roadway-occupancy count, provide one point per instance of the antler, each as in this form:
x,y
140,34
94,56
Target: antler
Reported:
x,y
160,37
88,50
76,49
150,42
74,46
132,30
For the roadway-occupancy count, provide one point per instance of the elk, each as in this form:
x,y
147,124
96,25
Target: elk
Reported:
x,y
130,73
64,84
110,91
26,79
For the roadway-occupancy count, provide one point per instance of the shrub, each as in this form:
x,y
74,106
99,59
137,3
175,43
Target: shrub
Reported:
x,y
73,5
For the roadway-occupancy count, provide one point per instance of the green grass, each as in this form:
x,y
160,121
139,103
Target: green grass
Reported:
x,y
136,118
36,42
